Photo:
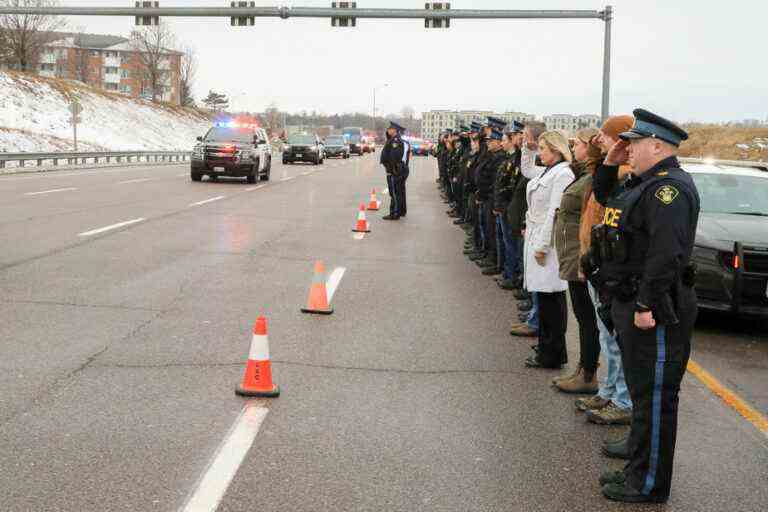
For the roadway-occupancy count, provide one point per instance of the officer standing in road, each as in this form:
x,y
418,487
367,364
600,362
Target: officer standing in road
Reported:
x,y
394,158
642,256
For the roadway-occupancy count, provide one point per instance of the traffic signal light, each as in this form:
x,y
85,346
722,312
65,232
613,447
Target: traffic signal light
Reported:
x,y
437,22
344,21
147,20
242,21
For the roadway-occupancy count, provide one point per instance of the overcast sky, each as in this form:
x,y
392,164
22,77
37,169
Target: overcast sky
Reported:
x,y
687,59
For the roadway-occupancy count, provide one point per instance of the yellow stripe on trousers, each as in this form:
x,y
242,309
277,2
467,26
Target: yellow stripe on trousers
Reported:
x,y
731,399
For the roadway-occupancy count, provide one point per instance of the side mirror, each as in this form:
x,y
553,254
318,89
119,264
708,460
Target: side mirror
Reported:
x,y
199,138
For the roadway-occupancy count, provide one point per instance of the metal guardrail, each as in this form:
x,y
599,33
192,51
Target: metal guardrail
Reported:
x,y
74,158
763,166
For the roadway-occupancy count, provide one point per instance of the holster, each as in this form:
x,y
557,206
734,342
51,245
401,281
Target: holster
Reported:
x,y
664,311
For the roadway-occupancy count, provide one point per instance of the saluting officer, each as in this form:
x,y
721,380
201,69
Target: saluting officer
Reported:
x,y
394,158
643,253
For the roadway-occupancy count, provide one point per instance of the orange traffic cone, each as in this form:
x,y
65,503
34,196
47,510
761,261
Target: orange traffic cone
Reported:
x,y
374,204
257,380
317,303
362,224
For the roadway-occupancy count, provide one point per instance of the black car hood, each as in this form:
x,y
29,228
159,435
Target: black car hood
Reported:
x,y
728,228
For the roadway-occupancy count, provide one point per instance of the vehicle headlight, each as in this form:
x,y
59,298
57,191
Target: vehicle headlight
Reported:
x,y
705,254
286,147
313,148
197,151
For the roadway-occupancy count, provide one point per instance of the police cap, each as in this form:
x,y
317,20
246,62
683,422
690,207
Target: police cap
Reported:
x,y
496,134
647,124
495,122
397,127
517,127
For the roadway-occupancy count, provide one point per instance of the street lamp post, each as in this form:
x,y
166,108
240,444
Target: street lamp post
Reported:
x,y
374,104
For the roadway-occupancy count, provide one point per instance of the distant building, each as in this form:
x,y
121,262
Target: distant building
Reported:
x,y
436,121
108,63
570,124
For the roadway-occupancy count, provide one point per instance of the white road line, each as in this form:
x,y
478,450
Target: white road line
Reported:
x,y
333,281
140,180
113,226
223,467
254,188
50,191
287,178
200,203
186,175
307,173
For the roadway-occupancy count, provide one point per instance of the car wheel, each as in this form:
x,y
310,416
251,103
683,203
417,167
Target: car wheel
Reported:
x,y
196,176
254,174
268,171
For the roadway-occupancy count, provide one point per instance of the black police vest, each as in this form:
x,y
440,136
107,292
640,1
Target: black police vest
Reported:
x,y
626,244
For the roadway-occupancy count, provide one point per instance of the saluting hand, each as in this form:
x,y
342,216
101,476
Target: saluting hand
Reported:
x,y
644,320
618,154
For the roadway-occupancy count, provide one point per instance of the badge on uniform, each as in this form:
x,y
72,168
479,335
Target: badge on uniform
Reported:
x,y
667,194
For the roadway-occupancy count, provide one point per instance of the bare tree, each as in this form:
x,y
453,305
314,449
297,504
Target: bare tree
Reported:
x,y
23,36
82,56
152,46
188,72
273,119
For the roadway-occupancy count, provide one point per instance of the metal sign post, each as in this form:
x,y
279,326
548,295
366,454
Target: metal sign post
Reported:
x,y
76,109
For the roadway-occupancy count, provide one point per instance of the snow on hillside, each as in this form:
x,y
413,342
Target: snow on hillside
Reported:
x,y
34,117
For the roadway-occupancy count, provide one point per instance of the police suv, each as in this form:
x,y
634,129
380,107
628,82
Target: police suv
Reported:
x,y
232,149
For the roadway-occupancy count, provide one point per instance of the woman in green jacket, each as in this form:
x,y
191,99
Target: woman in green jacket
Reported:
x,y
587,155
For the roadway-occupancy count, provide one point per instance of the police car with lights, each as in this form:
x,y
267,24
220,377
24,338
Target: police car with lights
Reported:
x,y
232,148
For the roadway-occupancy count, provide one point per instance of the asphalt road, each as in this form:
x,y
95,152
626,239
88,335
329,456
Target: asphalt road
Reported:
x,y
120,350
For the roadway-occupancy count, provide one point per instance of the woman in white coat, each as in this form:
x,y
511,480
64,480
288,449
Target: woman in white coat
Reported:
x,y
542,269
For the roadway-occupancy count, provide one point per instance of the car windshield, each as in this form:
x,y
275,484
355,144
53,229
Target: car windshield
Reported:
x,y
335,141
222,134
354,139
728,193
301,139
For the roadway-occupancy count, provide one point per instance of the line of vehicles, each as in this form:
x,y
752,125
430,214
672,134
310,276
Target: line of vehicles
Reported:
x,y
243,149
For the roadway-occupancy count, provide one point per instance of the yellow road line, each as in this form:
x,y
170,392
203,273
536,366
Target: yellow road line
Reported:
x,y
730,398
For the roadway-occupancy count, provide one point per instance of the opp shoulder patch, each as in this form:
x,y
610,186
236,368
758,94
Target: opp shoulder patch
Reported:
x,y
667,194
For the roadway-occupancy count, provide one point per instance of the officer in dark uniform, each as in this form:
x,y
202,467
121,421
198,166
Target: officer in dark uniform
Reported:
x,y
641,262
394,158
457,180
443,161
461,179
485,179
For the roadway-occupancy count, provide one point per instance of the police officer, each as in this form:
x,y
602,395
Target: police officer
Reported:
x,y
461,147
642,256
485,172
394,158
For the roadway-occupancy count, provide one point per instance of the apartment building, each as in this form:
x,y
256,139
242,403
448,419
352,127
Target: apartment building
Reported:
x,y
436,121
110,63
570,124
